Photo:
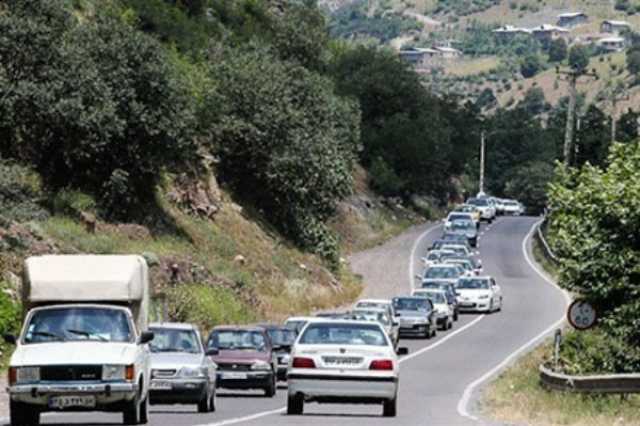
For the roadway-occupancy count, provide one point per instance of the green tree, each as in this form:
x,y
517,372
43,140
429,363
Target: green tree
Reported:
x,y
530,65
534,101
633,61
592,138
528,183
579,58
627,127
558,50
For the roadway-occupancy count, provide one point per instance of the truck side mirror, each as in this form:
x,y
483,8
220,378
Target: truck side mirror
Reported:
x,y
145,337
10,339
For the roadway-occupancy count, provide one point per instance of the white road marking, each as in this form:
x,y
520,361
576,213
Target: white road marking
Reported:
x,y
246,418
463,404
413,254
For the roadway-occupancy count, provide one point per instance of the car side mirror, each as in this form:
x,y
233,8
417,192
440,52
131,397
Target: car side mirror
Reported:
x,y
418,277
212,352
145,337
403,351
10,339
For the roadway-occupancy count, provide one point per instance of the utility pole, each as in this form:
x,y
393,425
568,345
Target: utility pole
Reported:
x,y
482,149
572,76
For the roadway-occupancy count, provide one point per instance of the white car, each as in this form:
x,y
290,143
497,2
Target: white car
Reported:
x,y
445,272
480,294
297,323
338,361
388,306
379,315
436,256
513,208
454,216
458,249
442,308
487,210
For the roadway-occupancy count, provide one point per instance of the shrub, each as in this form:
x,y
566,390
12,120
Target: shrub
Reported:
x,y
20,193
71,203
383,178
10,313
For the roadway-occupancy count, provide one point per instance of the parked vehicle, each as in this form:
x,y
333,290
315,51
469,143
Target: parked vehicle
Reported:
x,y
385,304
449,290
343,362
443,310
480,294
282,340
245,357
417,316
487,210
181,372
83,346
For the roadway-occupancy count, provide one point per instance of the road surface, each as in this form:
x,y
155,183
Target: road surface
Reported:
x,y
441,378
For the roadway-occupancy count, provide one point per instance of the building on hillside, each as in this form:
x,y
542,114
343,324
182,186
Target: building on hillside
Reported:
x,y
508,32
614,27
573,19
418,57
447,52
546,33
612,44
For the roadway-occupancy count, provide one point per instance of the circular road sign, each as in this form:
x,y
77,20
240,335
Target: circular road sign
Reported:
x,y
582,315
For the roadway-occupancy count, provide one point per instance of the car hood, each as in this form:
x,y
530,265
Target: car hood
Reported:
x,y
169,360
241,356
74,353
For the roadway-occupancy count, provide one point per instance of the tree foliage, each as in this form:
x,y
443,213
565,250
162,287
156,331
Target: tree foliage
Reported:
x,y
558,50
530,65
579,58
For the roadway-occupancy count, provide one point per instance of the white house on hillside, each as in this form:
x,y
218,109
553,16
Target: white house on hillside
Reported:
x,y
612,44
614,27
568,20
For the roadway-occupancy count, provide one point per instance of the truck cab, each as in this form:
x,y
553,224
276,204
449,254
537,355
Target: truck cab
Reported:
x,y
83,344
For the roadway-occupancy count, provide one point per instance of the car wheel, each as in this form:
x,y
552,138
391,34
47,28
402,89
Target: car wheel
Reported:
x,y
131,413
295,405
491,310
213,401
389,407
433,331
270,390
450,325
23,414
500,305
204,404
144,412
455,315
427,333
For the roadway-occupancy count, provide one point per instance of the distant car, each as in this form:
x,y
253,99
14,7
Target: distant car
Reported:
x,y
450,291
341,361
513,208
476,264
468,265
487,210
417,316
380,315
468,208
466,228
181,372
388,305
443,310
436,256
282,340
455,238
479,294
459,249
443,272
297,323
457,216
245,358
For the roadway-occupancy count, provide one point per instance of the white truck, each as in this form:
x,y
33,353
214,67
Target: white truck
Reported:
x,y
83,344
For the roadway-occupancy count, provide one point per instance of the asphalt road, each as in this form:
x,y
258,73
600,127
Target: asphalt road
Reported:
x,y
441,378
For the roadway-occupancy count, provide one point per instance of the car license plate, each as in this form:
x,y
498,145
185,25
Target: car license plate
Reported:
x,y
335,360
233,376
156,385
62,402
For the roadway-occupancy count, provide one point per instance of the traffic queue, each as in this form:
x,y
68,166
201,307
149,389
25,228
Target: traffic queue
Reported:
x,y
86,345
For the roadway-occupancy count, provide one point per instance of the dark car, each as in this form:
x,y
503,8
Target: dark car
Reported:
x,y
245,357
416,316
450,291
282,339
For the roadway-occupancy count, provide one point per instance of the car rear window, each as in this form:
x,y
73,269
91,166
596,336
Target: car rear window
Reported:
x,y
473,284
343,334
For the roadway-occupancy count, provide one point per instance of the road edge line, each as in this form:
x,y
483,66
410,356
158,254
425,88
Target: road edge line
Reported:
x,y
464,401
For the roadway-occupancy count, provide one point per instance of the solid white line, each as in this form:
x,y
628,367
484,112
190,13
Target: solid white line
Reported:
x,y
246,418
413,254
463,404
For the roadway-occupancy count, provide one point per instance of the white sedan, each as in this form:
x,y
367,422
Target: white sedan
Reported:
x,y
480,294
341,361
441,307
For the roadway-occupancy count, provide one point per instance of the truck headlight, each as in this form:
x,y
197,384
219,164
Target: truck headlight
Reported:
x,y
261,365
192,372
113,372
27,374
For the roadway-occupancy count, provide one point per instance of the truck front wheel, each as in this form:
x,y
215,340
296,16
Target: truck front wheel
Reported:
x,y
23,414
136,413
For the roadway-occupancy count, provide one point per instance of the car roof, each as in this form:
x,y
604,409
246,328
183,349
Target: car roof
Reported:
x,y
381,310
173,325
441,265
238,327
381,301
410,297
477,277
308,318
429,290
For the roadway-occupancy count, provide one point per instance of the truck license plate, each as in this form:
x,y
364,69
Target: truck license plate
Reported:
x,y
156,385
233,376
62,402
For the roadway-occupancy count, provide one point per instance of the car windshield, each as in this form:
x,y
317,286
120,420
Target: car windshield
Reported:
x,y
343,334
411,304
175,340
365,304
282,336
462,225
461,263
433,256
455,217
371,316
237,340
478,202
473,284
78,323
457,250
295,325
435,297
442,272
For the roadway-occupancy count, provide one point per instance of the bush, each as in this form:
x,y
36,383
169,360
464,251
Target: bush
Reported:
x,y
71,203
20,193
10,313
383,178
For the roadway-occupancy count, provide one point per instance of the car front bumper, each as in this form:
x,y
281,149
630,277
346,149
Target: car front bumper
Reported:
x,y
474,305
414,329
252,380
327,387
177,391
108,396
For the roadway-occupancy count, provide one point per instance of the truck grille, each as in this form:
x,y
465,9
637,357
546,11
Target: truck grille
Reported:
x,y
224,366
61,373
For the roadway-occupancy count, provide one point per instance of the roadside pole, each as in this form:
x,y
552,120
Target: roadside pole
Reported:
x,y
482,149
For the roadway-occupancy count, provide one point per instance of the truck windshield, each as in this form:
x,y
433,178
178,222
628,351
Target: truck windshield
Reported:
x,y
74,324
175,340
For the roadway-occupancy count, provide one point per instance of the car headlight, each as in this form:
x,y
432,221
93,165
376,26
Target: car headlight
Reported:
x,y
483,296
261,365
192,372
113,372
27,374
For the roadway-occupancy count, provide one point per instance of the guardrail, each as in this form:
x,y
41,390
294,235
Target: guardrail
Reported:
x,y
545,245
610,383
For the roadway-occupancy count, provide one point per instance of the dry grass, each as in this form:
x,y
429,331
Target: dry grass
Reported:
x,y
467,67
516,397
